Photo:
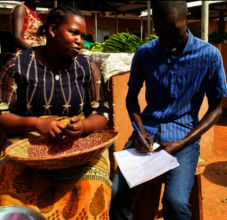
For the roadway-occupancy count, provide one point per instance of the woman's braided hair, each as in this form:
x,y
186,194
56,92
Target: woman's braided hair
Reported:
x,y
57,16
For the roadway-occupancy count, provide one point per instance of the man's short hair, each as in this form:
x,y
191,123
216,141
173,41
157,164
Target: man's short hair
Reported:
x,y
163,8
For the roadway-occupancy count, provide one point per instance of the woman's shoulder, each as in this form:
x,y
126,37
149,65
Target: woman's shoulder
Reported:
x,y
23,55
83,58
82,65
22,59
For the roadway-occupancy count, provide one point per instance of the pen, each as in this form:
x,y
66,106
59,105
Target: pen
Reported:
x,y
136,129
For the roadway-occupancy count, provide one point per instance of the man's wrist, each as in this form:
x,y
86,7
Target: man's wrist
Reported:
x,y
182,144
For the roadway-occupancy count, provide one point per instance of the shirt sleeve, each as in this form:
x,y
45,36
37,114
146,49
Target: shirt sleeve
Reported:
x,y
136,74
8,89
216,86
96,91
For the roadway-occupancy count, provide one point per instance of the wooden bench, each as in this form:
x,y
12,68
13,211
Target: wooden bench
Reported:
x,y
147,201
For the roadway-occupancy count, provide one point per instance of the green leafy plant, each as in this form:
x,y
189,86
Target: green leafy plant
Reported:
x,y
97,47
122,42
217,37
86,47
195,33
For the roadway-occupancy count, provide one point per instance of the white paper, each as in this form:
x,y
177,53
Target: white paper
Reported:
x,y
138,168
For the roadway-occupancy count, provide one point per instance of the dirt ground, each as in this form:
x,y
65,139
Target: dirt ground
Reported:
x,y
214,185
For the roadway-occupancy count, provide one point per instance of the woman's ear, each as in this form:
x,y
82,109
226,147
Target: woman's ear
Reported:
x,y
52,30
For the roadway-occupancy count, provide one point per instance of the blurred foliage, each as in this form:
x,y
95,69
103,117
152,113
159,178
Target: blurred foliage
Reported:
x,y
217,37
195,33
151,37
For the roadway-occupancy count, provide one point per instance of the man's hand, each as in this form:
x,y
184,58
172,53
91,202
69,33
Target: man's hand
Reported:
x,y
169,147
140,145
49,128
75,129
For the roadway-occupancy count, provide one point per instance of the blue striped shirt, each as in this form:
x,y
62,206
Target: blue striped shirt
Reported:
x,y
176,85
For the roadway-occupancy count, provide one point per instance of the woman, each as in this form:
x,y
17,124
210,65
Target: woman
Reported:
x,y
24,24
55,79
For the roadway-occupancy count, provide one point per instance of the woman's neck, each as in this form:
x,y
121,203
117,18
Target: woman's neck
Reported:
x,y
52,59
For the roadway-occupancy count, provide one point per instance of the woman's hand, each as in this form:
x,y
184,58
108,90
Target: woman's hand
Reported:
x,y
49,128
75,129
140,145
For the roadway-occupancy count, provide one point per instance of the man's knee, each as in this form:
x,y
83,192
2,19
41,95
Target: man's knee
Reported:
x,y
176,205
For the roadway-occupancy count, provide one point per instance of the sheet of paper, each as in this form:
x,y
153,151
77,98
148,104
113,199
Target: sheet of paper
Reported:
x,y
138,168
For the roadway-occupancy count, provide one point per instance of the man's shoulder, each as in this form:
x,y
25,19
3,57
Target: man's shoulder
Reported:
x,y
207,47
150,46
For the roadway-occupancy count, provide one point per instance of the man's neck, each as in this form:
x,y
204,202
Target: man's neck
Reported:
x,y
181,47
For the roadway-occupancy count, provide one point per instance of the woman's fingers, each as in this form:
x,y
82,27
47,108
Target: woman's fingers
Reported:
x,y
51,134
73,134
60,125
74,120
73,127
58,132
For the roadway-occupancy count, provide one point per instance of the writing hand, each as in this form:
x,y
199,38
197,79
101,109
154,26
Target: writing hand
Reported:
x,y
140,145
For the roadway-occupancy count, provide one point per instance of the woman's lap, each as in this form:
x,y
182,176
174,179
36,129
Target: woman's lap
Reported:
x,y
82,192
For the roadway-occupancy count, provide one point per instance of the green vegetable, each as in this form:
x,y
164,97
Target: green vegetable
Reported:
x,y
122,42
152,37
97,47
86,47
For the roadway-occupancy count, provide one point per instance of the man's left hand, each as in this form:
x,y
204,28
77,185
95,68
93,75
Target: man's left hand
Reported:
x,y
169,147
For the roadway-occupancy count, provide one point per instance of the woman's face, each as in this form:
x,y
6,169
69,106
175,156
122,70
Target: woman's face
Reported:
x,y
69,36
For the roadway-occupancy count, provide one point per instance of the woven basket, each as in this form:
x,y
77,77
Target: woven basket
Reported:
x,y
19,152
17,148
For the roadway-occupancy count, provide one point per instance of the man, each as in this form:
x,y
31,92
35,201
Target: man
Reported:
x,y
178,70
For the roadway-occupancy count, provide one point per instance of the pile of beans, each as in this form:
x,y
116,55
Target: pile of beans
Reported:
x,y
45,147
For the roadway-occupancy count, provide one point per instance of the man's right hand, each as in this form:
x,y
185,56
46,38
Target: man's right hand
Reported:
x,y
49,128
140,145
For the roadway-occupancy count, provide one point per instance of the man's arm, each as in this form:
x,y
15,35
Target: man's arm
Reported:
x,y
18,17
133,108
209,119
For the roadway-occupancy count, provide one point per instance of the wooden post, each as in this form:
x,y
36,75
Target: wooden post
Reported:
x,y
116,24
205,20
141,25
148,18
96,28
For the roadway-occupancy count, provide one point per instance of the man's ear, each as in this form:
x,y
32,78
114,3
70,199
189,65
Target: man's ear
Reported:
x,y
189,16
